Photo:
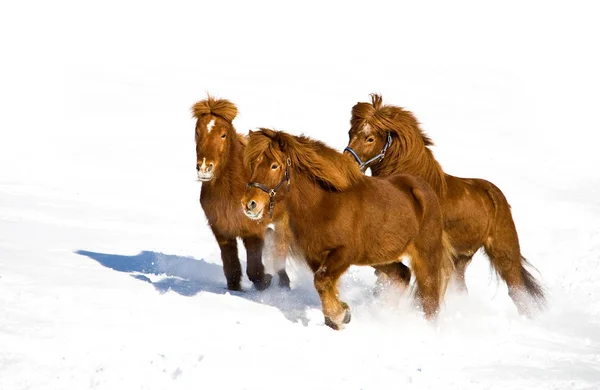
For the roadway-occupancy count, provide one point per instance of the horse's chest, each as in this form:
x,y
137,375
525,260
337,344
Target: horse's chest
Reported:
x,y
220,213
224,214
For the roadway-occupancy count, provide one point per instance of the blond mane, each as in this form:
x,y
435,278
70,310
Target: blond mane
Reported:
x,y
312,158
222,108
410,147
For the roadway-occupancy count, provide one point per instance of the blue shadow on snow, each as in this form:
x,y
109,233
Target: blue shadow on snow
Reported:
x,y
184,275
188,276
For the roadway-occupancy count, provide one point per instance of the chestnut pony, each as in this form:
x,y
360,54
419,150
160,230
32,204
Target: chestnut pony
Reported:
x,y
388,140
339,217
219,162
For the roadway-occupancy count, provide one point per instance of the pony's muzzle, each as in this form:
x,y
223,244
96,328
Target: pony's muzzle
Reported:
x,y
204,168
205,171
251,209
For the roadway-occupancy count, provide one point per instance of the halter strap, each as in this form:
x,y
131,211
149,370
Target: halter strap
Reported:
x,y
273,191
380,156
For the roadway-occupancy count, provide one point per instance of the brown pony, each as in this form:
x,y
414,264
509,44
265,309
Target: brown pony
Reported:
x,y
219,162
339,217
388,140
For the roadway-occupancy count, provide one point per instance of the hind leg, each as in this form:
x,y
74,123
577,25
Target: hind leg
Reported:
x,y
425,265
507,262
393,274
503,249
326,278
254,267
460,267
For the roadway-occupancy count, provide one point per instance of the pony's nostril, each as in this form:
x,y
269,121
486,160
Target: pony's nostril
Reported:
x,y
251,205
197,167
211,166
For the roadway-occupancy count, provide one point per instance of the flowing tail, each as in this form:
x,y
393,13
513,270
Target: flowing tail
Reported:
x,y
533,288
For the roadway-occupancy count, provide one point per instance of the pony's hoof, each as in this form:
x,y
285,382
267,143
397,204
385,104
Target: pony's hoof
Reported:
x,y
377,290
284,280
263,283
331,324
347,315
345,319
234,286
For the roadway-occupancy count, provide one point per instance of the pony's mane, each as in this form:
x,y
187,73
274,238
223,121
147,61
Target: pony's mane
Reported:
x,y
411,146
383,118
322,164
220,107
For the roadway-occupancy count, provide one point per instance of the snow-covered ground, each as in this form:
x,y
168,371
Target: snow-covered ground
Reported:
x,y
110,278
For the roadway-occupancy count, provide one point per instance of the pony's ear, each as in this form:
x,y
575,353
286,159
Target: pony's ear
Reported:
x,y
242,139
282,140
250,132
282,144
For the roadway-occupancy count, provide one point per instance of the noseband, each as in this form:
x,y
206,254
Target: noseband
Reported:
x,y
273,191
380,156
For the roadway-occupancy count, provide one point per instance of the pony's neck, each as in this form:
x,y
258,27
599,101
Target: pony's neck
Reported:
x,y
418,161
303,196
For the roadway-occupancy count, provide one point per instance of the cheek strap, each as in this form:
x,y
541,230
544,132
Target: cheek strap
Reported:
x,y
273,191
378,158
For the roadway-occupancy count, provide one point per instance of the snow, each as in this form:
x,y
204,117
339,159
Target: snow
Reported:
x,y
110,278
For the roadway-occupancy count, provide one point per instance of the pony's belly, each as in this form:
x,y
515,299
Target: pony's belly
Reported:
x,y
466,236
374,258
468,215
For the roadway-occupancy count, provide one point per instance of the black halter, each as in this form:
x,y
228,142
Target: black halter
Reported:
x,y
273,191
380,156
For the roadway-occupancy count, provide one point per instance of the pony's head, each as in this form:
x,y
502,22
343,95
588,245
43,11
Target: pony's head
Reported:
x,y
375,127
266,158
214,135
275,158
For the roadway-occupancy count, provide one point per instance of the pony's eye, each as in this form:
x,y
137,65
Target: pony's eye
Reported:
x,y
370,139
224,135
274,166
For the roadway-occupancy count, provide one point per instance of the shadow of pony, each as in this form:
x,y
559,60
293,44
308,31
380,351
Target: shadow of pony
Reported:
x,y
188,276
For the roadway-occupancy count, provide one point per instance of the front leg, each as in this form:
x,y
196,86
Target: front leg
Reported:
x,y
326,278
231,263
254,267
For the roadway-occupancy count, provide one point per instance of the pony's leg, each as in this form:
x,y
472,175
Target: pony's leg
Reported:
x,y
231,262
281,238
523,289
460,267
425,265
393,274
254,267
326,277
503,249
507,264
